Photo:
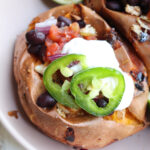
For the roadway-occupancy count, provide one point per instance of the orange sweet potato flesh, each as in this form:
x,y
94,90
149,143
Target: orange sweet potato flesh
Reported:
x,y
123,23
85,130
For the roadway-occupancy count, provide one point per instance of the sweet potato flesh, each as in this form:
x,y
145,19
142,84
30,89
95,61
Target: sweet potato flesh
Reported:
x,y
123,117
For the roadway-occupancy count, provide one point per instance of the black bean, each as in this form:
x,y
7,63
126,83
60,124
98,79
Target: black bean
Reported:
x,y
111,37
66,21
70,134
38,50
81,23
140,77
145,6
132,74
42,52
35,38
133,2
114,5
45,101
34,49
61,24
102,102
139,86
143,37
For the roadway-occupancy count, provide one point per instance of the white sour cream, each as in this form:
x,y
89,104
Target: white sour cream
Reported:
x,y
101,54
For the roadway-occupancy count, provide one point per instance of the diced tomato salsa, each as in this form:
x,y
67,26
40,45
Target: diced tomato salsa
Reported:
x,y
57,38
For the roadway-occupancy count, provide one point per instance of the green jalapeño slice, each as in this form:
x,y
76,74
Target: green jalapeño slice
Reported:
x,y
98,90
57,77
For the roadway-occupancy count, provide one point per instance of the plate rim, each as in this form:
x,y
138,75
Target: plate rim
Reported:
x,y
13,132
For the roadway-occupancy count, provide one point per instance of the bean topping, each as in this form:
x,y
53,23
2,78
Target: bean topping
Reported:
x,y
143,37
139,86
35,49
41,53
70,135
61,24
102,102
114,5
81,23
113,38
133,2
140,77
45,101
63,21
35,38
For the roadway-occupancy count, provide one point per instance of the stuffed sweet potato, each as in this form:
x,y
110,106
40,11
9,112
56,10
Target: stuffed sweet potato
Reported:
x,y
72,126
132,20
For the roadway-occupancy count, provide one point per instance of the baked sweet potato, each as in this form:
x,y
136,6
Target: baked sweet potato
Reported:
x,y
78,128
124,23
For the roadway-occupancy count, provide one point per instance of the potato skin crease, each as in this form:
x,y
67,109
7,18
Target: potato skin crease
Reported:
x,y
83,131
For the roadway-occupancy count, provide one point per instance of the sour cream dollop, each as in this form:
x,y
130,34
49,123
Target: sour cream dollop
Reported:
x,y
100,53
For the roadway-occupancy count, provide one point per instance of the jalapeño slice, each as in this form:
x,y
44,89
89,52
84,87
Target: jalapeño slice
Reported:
x,y
87,84
57,78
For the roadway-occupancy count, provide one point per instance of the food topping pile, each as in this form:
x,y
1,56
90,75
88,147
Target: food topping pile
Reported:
x,y
73,76
48,38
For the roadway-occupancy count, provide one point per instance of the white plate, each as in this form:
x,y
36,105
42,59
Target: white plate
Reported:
x,y
15,15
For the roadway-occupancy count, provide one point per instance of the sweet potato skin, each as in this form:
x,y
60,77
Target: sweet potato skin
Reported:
x,y
82,131
123,23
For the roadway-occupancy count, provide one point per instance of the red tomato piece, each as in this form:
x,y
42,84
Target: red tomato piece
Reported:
x,y
54,33
48,42
58,37
52,49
